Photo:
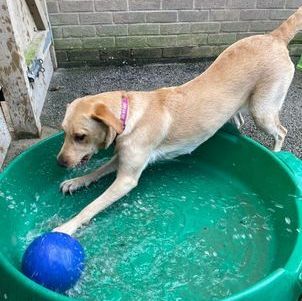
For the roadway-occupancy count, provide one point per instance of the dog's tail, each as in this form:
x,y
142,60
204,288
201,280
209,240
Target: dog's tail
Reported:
x,y
288,29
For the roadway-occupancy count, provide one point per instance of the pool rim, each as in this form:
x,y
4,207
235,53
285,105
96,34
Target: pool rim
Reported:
x,y
293,265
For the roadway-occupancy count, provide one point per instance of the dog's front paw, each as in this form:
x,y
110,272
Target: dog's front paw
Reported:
x,y
69,186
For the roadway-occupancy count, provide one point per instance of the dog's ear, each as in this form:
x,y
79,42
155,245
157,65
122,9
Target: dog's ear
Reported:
x,y
110,136
102,113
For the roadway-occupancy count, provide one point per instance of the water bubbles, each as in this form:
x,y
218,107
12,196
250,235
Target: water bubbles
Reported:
x,y
235,236
287,220
266,227
183,198
37,197
33,208
11,206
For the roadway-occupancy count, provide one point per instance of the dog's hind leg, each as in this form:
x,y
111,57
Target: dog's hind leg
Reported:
x,y
238,120
69,186
265,105
267,99
272,127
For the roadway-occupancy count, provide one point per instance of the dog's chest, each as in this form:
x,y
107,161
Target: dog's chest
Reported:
x,y
165,152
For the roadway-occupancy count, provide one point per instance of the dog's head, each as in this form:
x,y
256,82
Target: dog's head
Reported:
x,y
88,126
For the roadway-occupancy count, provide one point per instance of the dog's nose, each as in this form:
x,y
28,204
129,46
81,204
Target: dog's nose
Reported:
x,y
62,161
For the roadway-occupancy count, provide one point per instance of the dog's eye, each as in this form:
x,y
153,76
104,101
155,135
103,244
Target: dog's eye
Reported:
x,y
79,137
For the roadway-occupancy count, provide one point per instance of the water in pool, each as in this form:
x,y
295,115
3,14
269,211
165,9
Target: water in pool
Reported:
x,y
172,238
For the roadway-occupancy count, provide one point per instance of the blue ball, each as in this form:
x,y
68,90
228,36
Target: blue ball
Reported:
x,y
54,260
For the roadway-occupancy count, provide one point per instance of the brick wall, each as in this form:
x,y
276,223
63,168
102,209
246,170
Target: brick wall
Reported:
x,y
98,31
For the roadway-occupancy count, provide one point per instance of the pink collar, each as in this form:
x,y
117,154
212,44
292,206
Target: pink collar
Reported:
x,y
124,110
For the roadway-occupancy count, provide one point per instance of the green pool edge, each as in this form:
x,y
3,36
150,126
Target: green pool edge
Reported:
x,y
289,277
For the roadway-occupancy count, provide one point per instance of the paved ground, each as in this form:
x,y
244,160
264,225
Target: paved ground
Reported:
x,y
68,84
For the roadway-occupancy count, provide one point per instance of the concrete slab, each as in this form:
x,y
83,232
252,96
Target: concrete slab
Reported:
x,y
18,146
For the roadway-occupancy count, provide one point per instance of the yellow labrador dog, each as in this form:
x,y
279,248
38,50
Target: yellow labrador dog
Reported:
x,y
254,73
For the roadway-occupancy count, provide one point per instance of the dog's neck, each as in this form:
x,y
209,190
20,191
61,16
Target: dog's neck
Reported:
x,y
136,109
119,105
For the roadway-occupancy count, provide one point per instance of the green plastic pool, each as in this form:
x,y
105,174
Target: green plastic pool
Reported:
x,y
220,224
